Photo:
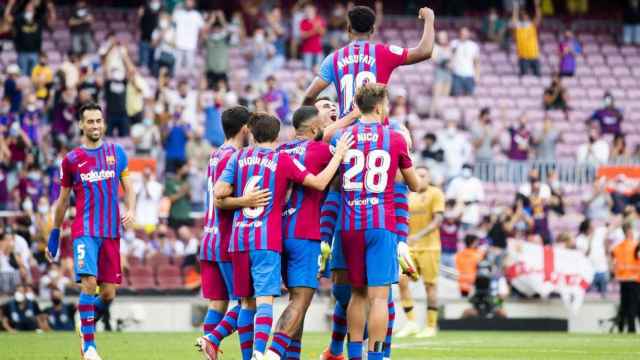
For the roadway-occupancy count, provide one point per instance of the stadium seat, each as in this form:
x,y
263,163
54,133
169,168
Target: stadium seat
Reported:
x,y
169,277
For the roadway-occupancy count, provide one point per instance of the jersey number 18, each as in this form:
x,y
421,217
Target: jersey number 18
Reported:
x,y
347,88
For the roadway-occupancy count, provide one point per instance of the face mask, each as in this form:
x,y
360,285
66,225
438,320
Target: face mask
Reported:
x,y
451,131
43,209
82,12
53,274
155,6
28,16
338,12
259,39
147,121
607,101
27,205
56,301
466,173
31,107
449,214
30,296
19,297
34,175
164,23
521,226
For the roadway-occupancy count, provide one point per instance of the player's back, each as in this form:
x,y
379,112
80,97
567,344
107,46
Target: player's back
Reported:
x,y
218,223
359,63
368,172
302,211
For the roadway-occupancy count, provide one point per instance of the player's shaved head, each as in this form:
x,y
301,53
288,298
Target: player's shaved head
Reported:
x,y
233,119
361,20
264,127
303,116
370,96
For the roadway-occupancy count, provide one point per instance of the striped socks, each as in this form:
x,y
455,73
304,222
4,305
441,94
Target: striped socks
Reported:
x,y
294,350
225,327
342,294
100,307
262,326
392,319
245,332
87,311
211,319
280,344
354,348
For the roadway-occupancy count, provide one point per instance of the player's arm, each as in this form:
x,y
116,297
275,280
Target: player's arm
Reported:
x,y
425,46
59,210
130,198
320,181
347,120
251,199
437,208
538,13
315,88
221,190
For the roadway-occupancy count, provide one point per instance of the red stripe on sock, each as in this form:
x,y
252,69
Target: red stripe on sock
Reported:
x,y
245,329
85,308
87,322
262,336
88,337
339,320
389,332
338,336
246,345
264,321
392,317
233,315
294,349
209,327
278,338
217,335
226,326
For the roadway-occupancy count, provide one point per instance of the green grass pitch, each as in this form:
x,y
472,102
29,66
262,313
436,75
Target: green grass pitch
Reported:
x,y
447,345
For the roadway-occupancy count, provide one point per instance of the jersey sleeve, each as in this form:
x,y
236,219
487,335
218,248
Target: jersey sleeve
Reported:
x,y
66,173
404,161
293,169
437,205
326,69
329,216
122,161
320,155
229,173
334,141
390,57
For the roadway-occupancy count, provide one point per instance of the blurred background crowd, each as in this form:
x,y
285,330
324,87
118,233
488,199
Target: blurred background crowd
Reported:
x,y
521,106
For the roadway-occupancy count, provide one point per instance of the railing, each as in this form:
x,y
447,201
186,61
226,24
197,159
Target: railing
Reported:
x,y
517,172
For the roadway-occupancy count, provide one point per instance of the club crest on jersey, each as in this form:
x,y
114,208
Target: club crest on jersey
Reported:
x,y
111,160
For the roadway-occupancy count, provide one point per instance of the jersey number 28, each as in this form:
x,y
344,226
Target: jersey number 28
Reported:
x,y
348,89
377,163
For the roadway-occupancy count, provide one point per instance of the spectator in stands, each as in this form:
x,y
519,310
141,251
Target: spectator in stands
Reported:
x,y
494,29
625,261
136,92
277,100
465,64
80,26
146,135
631,23
545,141
60,315
468,192
540,213
520,140
11,266
198,153
218,43
148,16
148,197
484,136
259,52
53,280
169,245
526,35
312,29
175,138
184,104
277,33
337,35
467,263
555,97
526,188
64,114
188,22
176,188
450,231
568,49
22,313
42,77
133,247
608,117
456,147
596,150
619,153
433,156
12,91
598,202
189,240
116,64
27,34
163,41
592,242
442,77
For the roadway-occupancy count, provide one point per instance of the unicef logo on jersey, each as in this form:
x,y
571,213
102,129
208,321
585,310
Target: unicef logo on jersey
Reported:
x,y
364,202
94,176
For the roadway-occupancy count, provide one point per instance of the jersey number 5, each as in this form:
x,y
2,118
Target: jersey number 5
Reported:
x,y
377,164
348,89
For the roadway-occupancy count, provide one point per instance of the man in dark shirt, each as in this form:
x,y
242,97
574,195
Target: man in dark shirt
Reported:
x,y
60,315
80,27
430,150
608,117
148,16
22,313
27,36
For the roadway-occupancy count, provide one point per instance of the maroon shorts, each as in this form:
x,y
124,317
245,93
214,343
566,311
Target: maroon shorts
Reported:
x,y
109,267
216,280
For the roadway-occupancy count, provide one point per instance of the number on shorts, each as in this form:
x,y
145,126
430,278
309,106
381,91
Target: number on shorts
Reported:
x,y
81,252
251,185
348,89
376,174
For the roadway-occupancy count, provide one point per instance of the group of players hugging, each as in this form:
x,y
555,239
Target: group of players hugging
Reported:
x,y
273,210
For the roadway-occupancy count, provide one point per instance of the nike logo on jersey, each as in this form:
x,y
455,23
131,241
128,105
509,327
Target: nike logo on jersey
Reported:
x,y
82,164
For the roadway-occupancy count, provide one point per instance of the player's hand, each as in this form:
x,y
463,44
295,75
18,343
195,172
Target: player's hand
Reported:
x,y
127,219
257,198
325,254
406,262
426,14
52,245
344,144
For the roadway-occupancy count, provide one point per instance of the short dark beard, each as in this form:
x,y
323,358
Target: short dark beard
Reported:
x,y
319,136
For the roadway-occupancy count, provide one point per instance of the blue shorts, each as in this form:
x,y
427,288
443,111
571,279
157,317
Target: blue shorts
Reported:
x,y
263,277
337,257
371,257
99,257
301,263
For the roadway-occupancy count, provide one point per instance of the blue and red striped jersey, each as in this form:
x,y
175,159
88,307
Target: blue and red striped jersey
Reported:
x,y
401,201
329,216
260,168
368,172
302,212
359,63
94,175
217,222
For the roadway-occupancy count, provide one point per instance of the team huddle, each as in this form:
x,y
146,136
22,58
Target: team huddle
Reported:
x,y
273,210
